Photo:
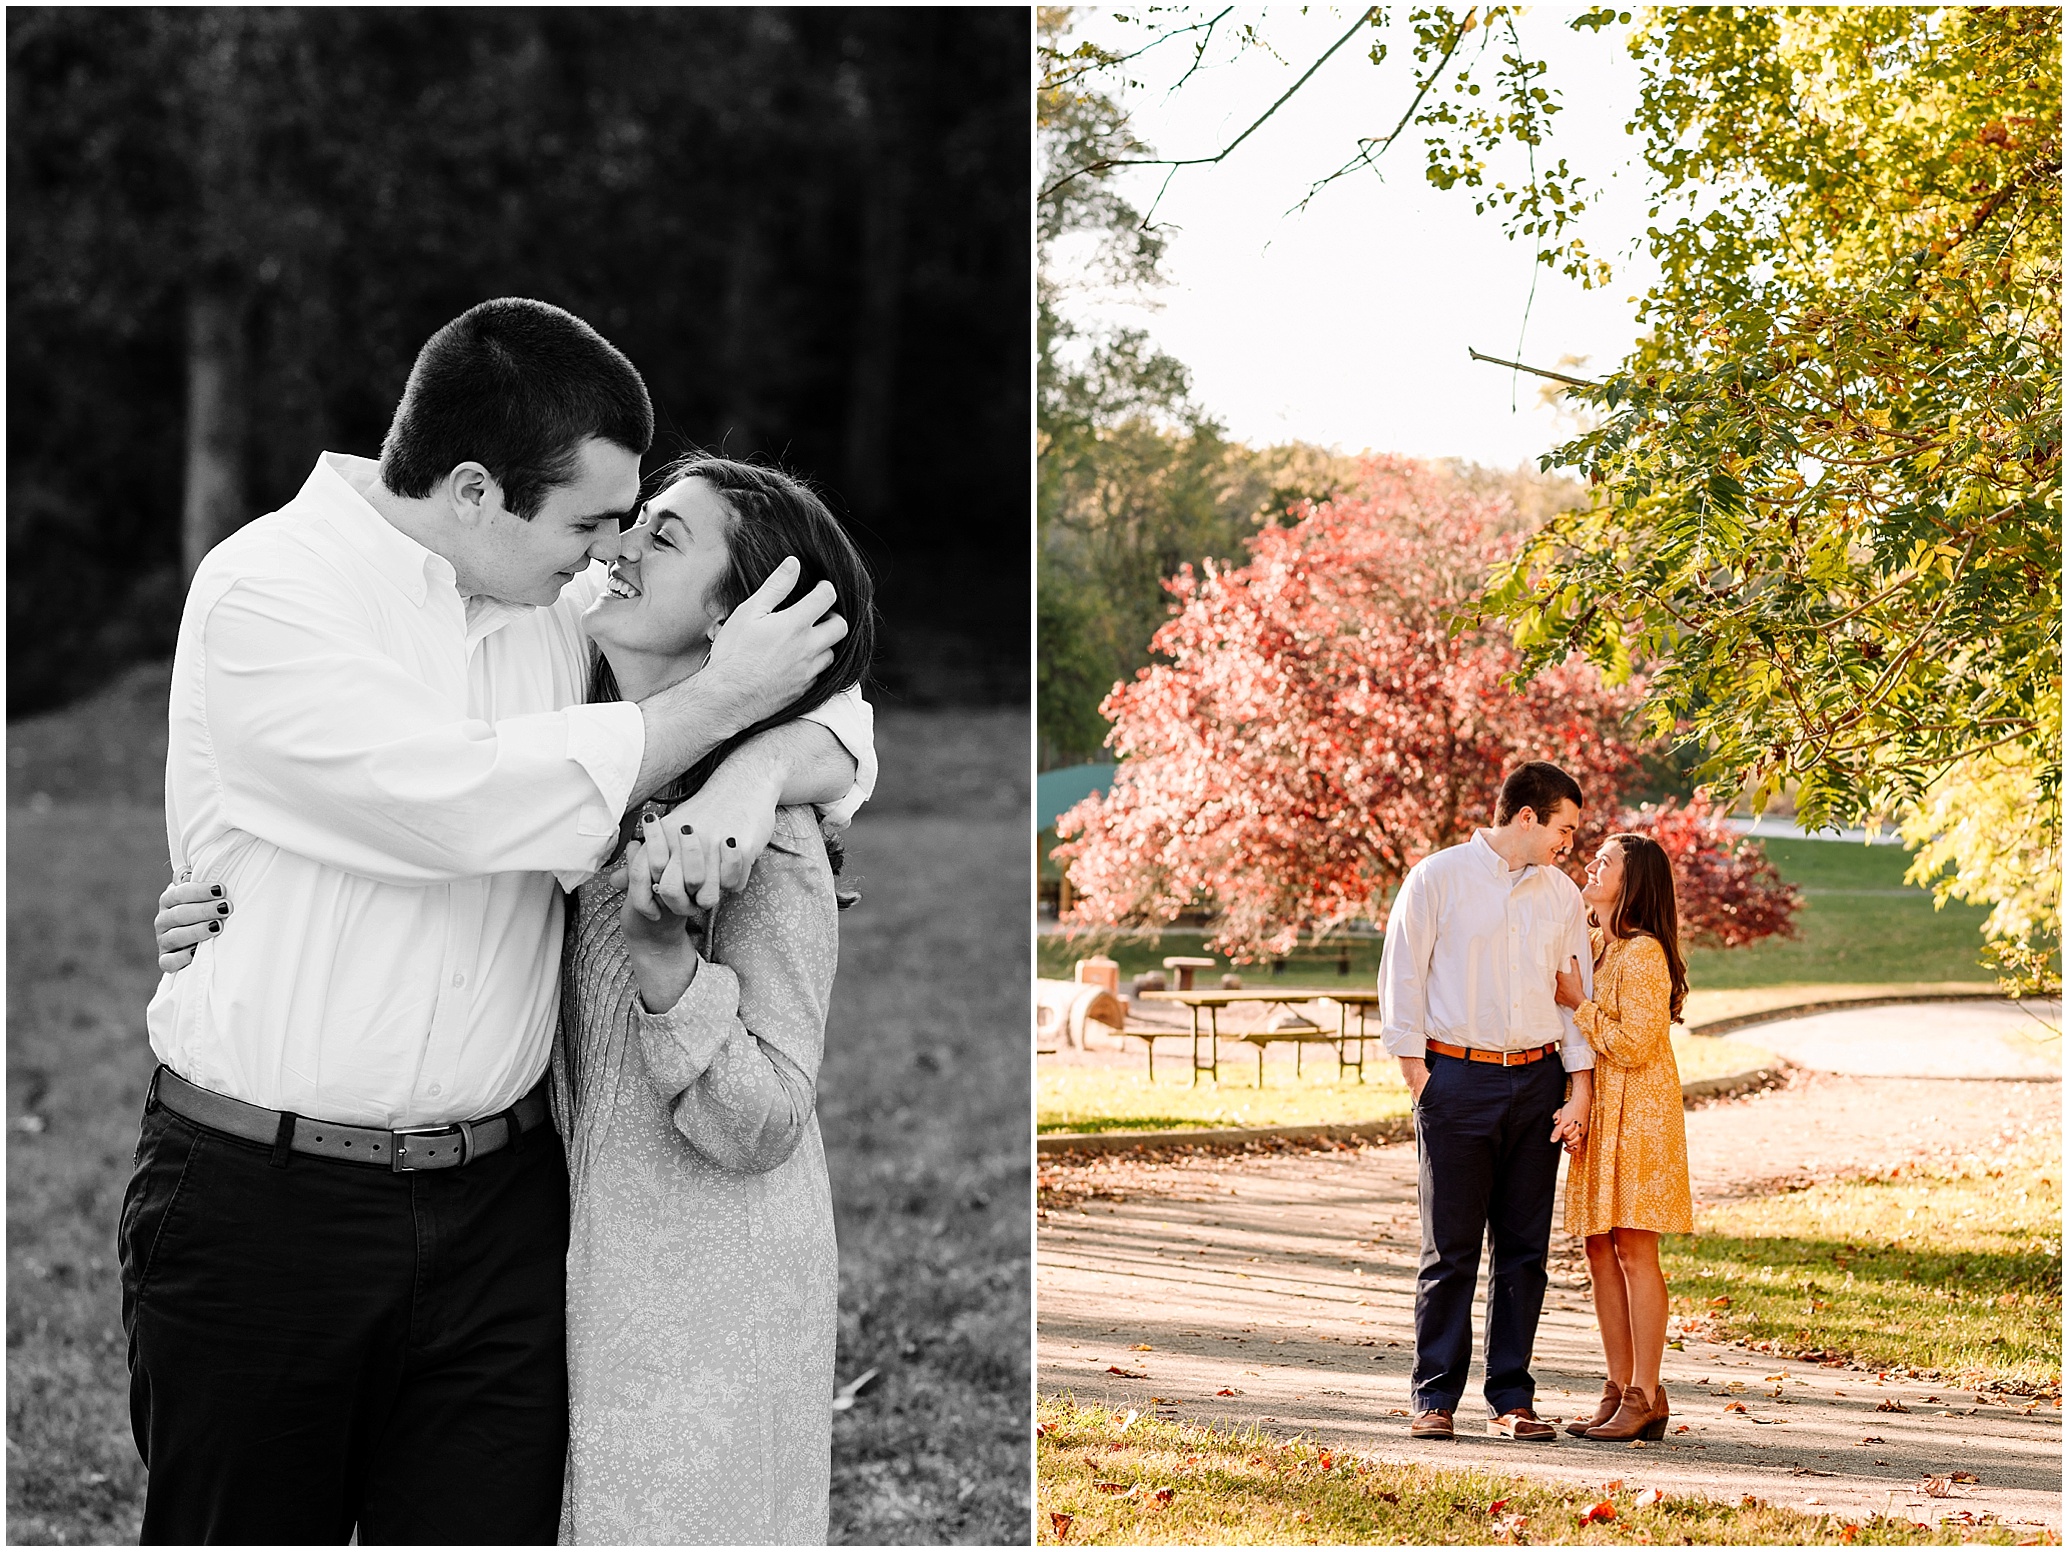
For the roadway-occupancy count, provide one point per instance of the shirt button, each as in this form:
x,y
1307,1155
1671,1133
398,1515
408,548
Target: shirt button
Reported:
x,y
459,978
435,1090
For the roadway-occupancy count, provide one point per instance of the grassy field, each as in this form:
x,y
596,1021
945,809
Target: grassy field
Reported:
x,y
1959,1273
1112,1099
1106,1480
923,1102
1859,922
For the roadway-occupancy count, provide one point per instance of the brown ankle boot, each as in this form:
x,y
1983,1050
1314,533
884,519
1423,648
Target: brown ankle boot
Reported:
x,y
1638,1417
1611,1398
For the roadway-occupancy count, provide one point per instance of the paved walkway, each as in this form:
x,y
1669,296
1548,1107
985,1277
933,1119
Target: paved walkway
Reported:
x,y
1278,1290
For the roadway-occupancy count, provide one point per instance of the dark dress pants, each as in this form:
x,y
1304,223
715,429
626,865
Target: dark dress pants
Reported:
x,y
318,1347
1487,1167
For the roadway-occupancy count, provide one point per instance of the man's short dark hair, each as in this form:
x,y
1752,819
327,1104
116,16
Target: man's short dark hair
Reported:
x,y
516,386
1538,787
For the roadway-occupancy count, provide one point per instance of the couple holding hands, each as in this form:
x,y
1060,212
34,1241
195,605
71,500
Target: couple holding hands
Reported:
x,y
1529,1014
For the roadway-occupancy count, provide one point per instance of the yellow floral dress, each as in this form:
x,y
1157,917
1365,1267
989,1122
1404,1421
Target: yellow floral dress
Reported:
x,y
1632,1172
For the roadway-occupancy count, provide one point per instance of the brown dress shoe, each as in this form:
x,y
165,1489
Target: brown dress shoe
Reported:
x,y
1611,1398
1638,1417
1432,1424
1520,1423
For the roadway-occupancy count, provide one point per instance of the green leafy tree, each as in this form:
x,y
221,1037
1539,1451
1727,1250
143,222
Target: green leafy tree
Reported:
x,y
1827,515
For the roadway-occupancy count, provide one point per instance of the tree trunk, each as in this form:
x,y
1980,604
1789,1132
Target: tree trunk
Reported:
x,y
872,374
218,417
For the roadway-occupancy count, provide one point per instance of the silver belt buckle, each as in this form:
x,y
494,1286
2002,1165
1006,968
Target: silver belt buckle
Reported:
x,y
398,1162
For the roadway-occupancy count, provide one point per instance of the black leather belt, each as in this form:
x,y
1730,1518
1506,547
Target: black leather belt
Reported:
x,y
419,1147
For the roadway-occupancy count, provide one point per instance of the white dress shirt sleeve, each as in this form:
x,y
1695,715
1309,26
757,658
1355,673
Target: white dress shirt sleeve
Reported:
x,y
852,720
322,744
1404,969
1573,1049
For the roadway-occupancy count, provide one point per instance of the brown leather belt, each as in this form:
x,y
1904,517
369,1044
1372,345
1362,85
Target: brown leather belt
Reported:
x,y
412,1148
1504,1058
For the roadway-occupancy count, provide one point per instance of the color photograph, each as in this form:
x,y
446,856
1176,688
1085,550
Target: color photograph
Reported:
x,y
1548,609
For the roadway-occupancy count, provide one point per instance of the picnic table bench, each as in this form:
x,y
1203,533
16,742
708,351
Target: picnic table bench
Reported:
x,y
1211,1003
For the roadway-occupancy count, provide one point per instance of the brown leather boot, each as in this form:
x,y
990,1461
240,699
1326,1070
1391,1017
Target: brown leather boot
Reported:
x,y
1611,1398
1636,1418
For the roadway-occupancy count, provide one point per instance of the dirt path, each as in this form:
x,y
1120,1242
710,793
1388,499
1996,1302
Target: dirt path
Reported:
x,y
1278,1290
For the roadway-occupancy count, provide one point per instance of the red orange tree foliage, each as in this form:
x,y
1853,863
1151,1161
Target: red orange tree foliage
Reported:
x,y
1317,728
1728,891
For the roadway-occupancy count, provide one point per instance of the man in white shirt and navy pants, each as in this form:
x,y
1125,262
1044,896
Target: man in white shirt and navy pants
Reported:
x,y
343,1244
1474,943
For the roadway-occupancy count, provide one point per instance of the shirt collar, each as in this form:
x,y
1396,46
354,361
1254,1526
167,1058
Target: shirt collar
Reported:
x,y
336,490
1497,863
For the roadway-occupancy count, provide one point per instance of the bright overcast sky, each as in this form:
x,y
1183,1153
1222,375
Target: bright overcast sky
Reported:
x,y
1347,324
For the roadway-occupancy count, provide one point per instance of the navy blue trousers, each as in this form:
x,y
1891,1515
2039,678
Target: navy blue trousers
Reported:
x,y
323,1347
1488,1168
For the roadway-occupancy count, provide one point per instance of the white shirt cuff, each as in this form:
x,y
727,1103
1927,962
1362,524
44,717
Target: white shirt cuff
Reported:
x,y
852,720
607,740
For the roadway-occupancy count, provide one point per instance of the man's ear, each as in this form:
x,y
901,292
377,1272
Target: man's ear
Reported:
x,y
473,494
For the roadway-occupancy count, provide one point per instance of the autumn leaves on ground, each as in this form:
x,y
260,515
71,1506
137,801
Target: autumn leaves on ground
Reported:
x,y
923,1100
1110,1478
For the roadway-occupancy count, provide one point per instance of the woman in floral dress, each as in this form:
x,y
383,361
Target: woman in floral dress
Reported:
x,y
1628,1180
701,1273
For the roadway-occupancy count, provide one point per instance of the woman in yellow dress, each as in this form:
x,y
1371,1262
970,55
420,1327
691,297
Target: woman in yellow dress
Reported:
x,y
1628,1182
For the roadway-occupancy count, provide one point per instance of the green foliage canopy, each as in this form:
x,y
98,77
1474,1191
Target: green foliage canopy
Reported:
x,y
1827,514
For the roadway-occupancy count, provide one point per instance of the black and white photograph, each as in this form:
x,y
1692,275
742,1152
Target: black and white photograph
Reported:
x,y
518,765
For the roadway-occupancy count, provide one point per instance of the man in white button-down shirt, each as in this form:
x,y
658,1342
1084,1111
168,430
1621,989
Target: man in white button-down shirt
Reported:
x,y
342,1247
1468,985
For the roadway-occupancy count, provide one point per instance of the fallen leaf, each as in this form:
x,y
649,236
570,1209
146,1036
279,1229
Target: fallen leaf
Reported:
x,y
1304,1517
1164,1496
1121,1488
1062,1523
1736,1406
1647,1498
1849,1534
1720,1303
1874,1438
1749,1502
1497,1506
1602,1512
1043,1430
843,1399
1126,1374
1328,1462
1936,1487
1142,1347
1891,1405
1681,1429
1964,1476
1613,1486
1224,1391
1392,1498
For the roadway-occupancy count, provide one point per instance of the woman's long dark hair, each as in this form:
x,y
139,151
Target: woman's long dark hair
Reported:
x,y
772,513
1649,905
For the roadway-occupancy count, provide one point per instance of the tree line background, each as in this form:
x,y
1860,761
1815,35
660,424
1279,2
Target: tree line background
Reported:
x,y
231,229
1820,522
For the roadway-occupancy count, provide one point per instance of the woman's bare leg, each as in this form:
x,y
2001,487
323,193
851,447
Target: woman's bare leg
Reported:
x,y
1611,1306
1637,1252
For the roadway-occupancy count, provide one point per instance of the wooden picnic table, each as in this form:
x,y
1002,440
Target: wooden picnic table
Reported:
x,y
1364,1000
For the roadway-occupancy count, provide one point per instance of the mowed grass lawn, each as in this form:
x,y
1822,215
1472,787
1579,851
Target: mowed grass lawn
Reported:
x,y
1958,1272
923,1102
1859,923
1115,1479
1114,1099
